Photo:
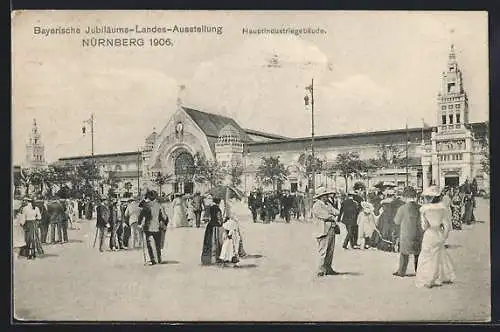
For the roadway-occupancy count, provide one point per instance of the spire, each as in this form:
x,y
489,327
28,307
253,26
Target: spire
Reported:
x,y
180,94
452,57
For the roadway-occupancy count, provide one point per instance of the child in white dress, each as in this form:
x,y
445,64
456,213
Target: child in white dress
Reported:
x,y
230,246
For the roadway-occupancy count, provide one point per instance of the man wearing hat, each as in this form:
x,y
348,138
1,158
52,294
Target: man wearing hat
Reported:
x,y
286,205
132,215
349,216
255,204
197,208
153,217
325,214
102,223
408,218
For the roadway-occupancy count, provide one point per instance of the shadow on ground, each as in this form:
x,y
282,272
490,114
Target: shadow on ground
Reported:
x,y
356,274
247,266
169,262
252,256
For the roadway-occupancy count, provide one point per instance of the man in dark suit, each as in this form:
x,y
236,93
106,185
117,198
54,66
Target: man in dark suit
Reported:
x,y
349,216
102,223
358,198
151,219
394,206
408,217
198,207
254,204
56,219
286,205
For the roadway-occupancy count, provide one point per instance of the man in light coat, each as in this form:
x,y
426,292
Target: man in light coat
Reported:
x,y
408,217
132,215
152,218
325,214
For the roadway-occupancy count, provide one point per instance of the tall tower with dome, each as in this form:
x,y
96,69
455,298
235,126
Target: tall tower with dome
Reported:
x,y
35,150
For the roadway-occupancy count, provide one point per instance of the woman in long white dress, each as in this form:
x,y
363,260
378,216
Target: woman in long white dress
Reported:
x,y
179,212
435,266
17,228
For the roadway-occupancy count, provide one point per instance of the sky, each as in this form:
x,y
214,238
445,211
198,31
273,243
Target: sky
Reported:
x,y
371,70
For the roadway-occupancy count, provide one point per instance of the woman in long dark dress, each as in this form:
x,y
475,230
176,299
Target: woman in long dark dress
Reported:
x,y
212,242
456,210
468,217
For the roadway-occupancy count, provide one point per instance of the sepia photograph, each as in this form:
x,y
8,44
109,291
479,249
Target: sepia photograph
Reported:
x,y
250,166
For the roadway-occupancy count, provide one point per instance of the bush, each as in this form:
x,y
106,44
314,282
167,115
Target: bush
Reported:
x,y
359,186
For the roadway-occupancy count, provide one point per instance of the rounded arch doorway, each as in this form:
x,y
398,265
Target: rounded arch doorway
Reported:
x,y
184,172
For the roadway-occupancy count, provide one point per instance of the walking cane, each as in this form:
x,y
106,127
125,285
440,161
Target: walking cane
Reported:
x,y
95,237
143,235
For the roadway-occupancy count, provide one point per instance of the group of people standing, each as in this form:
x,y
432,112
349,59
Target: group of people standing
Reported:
x,y
44,222
144,222
222,242
267,206
408,223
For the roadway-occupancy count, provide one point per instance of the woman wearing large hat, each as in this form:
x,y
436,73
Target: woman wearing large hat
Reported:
x,y
325,215
212,240
434,265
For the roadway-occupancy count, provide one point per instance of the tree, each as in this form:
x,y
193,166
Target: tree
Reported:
x,y
359,186
271,171
348,165
161,179
308,164
17,182
235,173
485,150
389,155
38,179
207,171
83,177
128,186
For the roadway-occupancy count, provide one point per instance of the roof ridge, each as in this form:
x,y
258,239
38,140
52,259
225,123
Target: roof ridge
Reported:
x,y
208,113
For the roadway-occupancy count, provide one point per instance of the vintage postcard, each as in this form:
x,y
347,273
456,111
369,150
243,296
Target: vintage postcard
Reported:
x,y
305,166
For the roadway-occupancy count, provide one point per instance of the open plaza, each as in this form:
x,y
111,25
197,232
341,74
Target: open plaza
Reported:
x,y
276,281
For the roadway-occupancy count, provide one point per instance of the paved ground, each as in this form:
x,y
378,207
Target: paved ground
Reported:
x,y
277,283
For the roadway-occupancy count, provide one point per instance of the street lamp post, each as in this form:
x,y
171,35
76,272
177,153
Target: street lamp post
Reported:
x,y
245,154
138,172
313,165
90,122
406,155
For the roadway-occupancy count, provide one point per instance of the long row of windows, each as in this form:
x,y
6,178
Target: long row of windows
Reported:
x,y
450,117
450,157
450,107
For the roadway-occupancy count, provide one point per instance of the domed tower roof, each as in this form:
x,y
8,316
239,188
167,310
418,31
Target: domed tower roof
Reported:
x,y
229,134
229,130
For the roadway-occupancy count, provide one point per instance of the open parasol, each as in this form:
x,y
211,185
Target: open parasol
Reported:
x,y
220,191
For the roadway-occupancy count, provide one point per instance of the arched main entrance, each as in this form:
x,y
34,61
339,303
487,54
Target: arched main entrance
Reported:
x,y
184,171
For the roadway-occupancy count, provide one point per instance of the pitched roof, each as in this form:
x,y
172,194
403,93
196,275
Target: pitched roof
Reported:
x,y
211,124
263,134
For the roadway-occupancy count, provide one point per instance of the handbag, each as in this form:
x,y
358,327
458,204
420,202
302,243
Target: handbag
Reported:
x,y
336,229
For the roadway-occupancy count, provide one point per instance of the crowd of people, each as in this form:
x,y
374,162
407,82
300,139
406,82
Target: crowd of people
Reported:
x,y
398,220
136,222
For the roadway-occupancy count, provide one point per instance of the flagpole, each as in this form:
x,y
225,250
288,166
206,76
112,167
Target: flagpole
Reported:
x,y
313,181
407,154
423,125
